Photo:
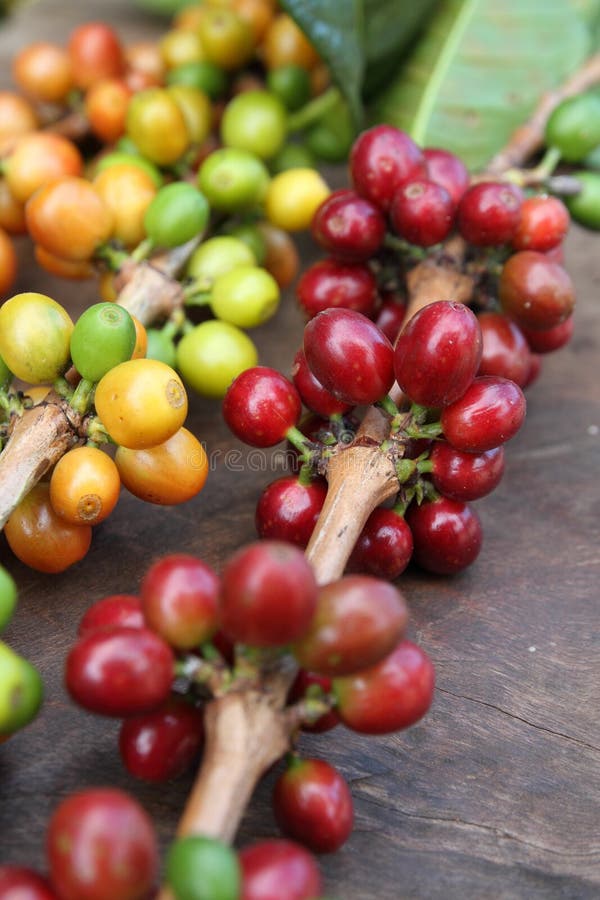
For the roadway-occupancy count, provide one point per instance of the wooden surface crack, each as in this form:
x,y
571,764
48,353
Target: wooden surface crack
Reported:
x,y
511,715
590,853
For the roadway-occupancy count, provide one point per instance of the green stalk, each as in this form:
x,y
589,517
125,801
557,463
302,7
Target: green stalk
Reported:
x,y
82,396
299,441
314,110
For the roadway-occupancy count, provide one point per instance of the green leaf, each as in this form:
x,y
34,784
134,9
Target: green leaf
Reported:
x,y
389,29
336,29
479,71
589,10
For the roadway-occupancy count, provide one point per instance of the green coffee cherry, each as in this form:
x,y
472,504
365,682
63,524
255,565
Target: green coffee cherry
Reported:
x,y
176,214
247,296
104,336
574,127
584,207
20,691
8,597
215,257
203,868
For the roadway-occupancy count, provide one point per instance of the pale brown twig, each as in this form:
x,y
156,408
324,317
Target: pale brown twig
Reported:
x,y
529,138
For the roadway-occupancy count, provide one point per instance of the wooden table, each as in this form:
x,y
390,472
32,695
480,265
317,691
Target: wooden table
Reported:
x,y
496,793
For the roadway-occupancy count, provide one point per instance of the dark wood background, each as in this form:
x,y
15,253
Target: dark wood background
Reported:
x,y
496,793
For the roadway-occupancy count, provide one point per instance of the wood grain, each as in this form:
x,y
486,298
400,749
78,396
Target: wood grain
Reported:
x,y
496,793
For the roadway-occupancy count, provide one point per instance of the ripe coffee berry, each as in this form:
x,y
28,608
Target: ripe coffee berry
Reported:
x,y
438,352
550,339
393,694
384,546
163,743
534,291
279,868
260,406
465,476
446,169
180,600
112,611
330,282
488,414
489,213
422,212
382,158
358,620
505,350
21,883
101,844
348,227
288,509
447,535
268,594
119,671
349,355
313,394
313,805
390,318
543,225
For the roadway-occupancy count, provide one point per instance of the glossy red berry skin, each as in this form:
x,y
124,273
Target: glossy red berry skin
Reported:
x,y
288,509
20,883
465,476
119,671
348,227
381,159
349,355
550,339
162,744
390,319
422,212
384,546
109,612
489,213
446,169
268,594
313,805
313,394
260,406
505,349
437,353
391,695
274,869
556,254
330,282
534,291
303,686
358,620
447,535
101,846
534,371
488,414
180,596
544,224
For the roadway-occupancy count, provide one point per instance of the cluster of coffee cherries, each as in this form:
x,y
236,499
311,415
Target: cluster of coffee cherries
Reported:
x,y
20,683
185,147
94,375
156,658
458,372
101,843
